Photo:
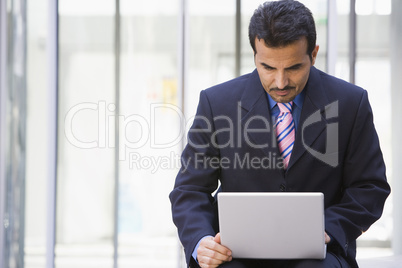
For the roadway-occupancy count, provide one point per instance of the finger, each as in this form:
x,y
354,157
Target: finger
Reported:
x,y
206,262
327,238
217,238
210,251
213,245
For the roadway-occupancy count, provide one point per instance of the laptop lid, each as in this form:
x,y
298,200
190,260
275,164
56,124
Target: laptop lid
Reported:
x,y
273,225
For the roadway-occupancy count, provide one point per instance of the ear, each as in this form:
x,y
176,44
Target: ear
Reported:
x,y
314,54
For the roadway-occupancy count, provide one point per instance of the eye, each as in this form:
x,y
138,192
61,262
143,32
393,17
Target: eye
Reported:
x,y
295,67
267,67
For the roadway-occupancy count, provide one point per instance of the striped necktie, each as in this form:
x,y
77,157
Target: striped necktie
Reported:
x,y
285,131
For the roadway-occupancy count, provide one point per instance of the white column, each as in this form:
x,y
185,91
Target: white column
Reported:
x,y
396,91
332,36
52,78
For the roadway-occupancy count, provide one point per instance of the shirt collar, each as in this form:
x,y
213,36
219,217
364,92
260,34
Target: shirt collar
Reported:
x,y
298,100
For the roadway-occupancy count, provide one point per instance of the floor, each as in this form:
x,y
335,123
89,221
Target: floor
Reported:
x,y
169,252
383,262
378,258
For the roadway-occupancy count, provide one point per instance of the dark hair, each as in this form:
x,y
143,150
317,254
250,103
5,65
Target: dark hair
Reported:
x,y
280,23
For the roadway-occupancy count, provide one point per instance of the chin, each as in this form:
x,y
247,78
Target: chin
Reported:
x,y
284,99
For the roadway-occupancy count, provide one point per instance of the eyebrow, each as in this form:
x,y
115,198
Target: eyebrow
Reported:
x,y
296,66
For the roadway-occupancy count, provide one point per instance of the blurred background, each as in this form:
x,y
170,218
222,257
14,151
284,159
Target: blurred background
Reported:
x,y
97,95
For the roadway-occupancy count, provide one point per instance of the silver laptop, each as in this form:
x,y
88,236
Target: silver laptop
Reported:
x,y
273,225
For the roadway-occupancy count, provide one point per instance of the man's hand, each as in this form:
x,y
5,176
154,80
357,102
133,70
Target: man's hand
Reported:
x,y
327,238
211,253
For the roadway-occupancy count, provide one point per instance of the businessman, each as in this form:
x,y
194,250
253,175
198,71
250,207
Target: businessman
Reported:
x,y
284,127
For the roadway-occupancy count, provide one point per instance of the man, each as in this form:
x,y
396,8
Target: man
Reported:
x,y
328,144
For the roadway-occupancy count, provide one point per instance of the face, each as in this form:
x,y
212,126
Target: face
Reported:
x,y
284,71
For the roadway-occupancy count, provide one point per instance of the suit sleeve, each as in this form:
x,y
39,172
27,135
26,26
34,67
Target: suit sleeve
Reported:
x,y
193,207
365,187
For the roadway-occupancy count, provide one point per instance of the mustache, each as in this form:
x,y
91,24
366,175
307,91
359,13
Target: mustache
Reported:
x,y
281,89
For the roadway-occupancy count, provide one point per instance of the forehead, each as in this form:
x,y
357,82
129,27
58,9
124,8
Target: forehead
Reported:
x,y
293,53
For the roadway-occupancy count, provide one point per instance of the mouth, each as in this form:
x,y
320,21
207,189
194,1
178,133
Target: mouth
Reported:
x,y
282,92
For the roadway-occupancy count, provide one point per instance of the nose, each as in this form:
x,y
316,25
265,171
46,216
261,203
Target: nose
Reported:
x,y
281,79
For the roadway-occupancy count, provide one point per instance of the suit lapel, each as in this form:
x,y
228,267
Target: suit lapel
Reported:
x,y
256,116
313,111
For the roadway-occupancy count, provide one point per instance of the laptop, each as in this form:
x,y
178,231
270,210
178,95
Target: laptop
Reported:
x,y
273,225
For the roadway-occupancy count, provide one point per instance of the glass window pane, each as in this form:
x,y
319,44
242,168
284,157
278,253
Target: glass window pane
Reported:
x,y
37,131
211,47
150,136
342,63
85,190
373,73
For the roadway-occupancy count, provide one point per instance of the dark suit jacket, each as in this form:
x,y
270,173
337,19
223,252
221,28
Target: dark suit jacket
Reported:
x,y
336,152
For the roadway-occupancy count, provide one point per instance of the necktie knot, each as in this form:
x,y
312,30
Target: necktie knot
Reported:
x,y
285,107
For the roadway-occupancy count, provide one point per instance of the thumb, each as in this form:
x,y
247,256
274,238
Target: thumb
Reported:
x,y
327,238
217,238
